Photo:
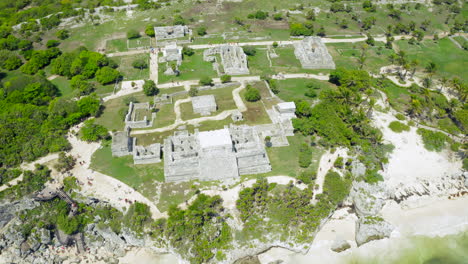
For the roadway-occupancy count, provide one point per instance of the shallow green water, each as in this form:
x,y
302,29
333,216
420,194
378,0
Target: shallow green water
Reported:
x,y
451,249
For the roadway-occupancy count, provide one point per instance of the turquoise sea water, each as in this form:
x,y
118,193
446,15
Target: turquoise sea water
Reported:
x,y
450,249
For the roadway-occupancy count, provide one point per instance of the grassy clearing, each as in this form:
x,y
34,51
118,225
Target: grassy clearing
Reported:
x,y
114,111
285,160
116,45
398,96
123,169
128,71
223,98
451,61
144,42
173,194
259,64
293,89
165,116
286,60
63,84
192,68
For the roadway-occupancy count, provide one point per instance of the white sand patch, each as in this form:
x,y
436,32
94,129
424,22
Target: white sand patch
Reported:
x,y
146,256
439,218
410,164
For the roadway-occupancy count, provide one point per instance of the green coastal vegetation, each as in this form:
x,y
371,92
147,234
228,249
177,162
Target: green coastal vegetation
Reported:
x,y
60,59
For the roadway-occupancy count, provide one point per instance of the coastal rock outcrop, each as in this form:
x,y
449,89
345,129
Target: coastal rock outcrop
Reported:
x,y
340,245
372,228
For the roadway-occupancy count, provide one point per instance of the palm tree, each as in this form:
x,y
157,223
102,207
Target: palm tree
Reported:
x,y
414,63
431,68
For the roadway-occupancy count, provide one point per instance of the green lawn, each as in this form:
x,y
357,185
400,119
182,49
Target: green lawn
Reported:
x,y
287,61
116,45
192,68
285,160
223,98
292,89
259,64
173,194
165,116
128,71
63,84
143,42
451,61
123,169
114,111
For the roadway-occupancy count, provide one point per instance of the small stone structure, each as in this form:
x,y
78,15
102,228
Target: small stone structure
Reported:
x,y
171,52
204,104
313,54
237,116
171,32
146,155
286,110
233,59
214,155
122,143
281,126
137,115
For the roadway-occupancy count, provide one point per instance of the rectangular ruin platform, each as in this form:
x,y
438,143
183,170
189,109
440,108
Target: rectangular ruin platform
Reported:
x,y
122,144
204,105
171,32
313,54
214,155
233,59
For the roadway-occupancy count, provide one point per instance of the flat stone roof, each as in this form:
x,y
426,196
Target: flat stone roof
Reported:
x,y
287,105
203,101
214,138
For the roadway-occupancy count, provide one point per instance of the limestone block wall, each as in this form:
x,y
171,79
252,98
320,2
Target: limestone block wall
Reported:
x,y
130,116
313,54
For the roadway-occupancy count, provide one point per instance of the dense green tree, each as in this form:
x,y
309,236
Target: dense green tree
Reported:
x,y
252,94
62,34
133,34
80,83
107,75
149,88
225,78
140,64
93,132
149,31
207,81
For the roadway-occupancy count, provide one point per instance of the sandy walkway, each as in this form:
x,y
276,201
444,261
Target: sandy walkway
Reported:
x,y
326,163
126,88
99,185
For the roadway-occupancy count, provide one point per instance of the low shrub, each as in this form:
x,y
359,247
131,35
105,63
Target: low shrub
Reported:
x,y
398,127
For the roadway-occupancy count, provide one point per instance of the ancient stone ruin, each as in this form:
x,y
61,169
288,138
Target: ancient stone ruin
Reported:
x,y
313,54
237,116
137,115
171,32
171,52
233,59
147,154
204,104
122,143
214,155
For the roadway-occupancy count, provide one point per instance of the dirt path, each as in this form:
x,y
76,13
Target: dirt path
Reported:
x,y
177,112
154,67
126,53
99,185
301,76
28,166
326,163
